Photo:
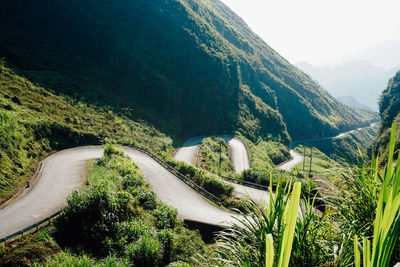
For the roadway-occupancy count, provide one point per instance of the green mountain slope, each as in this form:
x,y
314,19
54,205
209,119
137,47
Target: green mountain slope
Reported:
x,y
389,108
188,67
34,123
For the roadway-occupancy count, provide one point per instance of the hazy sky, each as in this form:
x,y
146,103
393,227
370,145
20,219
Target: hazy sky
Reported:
x,y
319,31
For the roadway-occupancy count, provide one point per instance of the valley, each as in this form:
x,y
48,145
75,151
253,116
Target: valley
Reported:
x,y
168,133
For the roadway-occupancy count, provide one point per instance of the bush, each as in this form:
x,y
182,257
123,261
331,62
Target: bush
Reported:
x,y
146,198
216,186
166,237
146,252
91,217
166,216
208,181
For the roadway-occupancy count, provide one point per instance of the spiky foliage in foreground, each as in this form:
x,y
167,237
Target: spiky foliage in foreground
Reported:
x,y
256,238
387,219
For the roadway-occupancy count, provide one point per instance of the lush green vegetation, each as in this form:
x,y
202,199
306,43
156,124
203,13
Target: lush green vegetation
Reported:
x,y
188,67
264,238
321,164
386,226
367,204
34,122
389,108
209,181
115,220
348,147
266,154
214,156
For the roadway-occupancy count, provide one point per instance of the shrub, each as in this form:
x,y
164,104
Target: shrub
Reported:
x,y
110,150
216,186
166,237
146,252
145,197
166,216
208,181
91,217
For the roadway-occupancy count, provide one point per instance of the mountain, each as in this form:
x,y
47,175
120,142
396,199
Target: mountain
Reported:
x,y
358,78
389,108
383,54
188,67
351,101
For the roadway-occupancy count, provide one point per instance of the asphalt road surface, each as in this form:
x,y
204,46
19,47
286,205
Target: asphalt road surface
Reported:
x,y
240,159
296,159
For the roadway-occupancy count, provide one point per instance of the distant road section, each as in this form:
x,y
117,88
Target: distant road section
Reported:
x,y
240,159
187,152
296,159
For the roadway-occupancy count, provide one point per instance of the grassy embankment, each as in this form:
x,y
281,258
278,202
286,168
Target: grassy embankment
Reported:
x,y
266,154
321,164
214,156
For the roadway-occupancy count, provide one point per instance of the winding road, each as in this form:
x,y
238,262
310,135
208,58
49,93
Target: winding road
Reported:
x,y
240,161
238,151
64,172
296,158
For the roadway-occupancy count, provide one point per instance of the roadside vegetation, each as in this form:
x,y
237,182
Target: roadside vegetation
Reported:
x,y
212,183
321,164
209,181
117,221
266,154
214,156
361,227
34,122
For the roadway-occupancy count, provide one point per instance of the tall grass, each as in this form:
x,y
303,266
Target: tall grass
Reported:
x,y
387,219
264,237
214,156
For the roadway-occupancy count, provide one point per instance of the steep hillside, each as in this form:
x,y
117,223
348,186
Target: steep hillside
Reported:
x,y
34,123
389,107
189,67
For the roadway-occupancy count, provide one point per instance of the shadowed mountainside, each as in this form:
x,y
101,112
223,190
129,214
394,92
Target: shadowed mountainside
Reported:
x,y
188,67
389,108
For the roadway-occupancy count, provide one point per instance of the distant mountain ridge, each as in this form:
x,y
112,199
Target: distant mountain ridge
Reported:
x,y
351,101
189,67
357,78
